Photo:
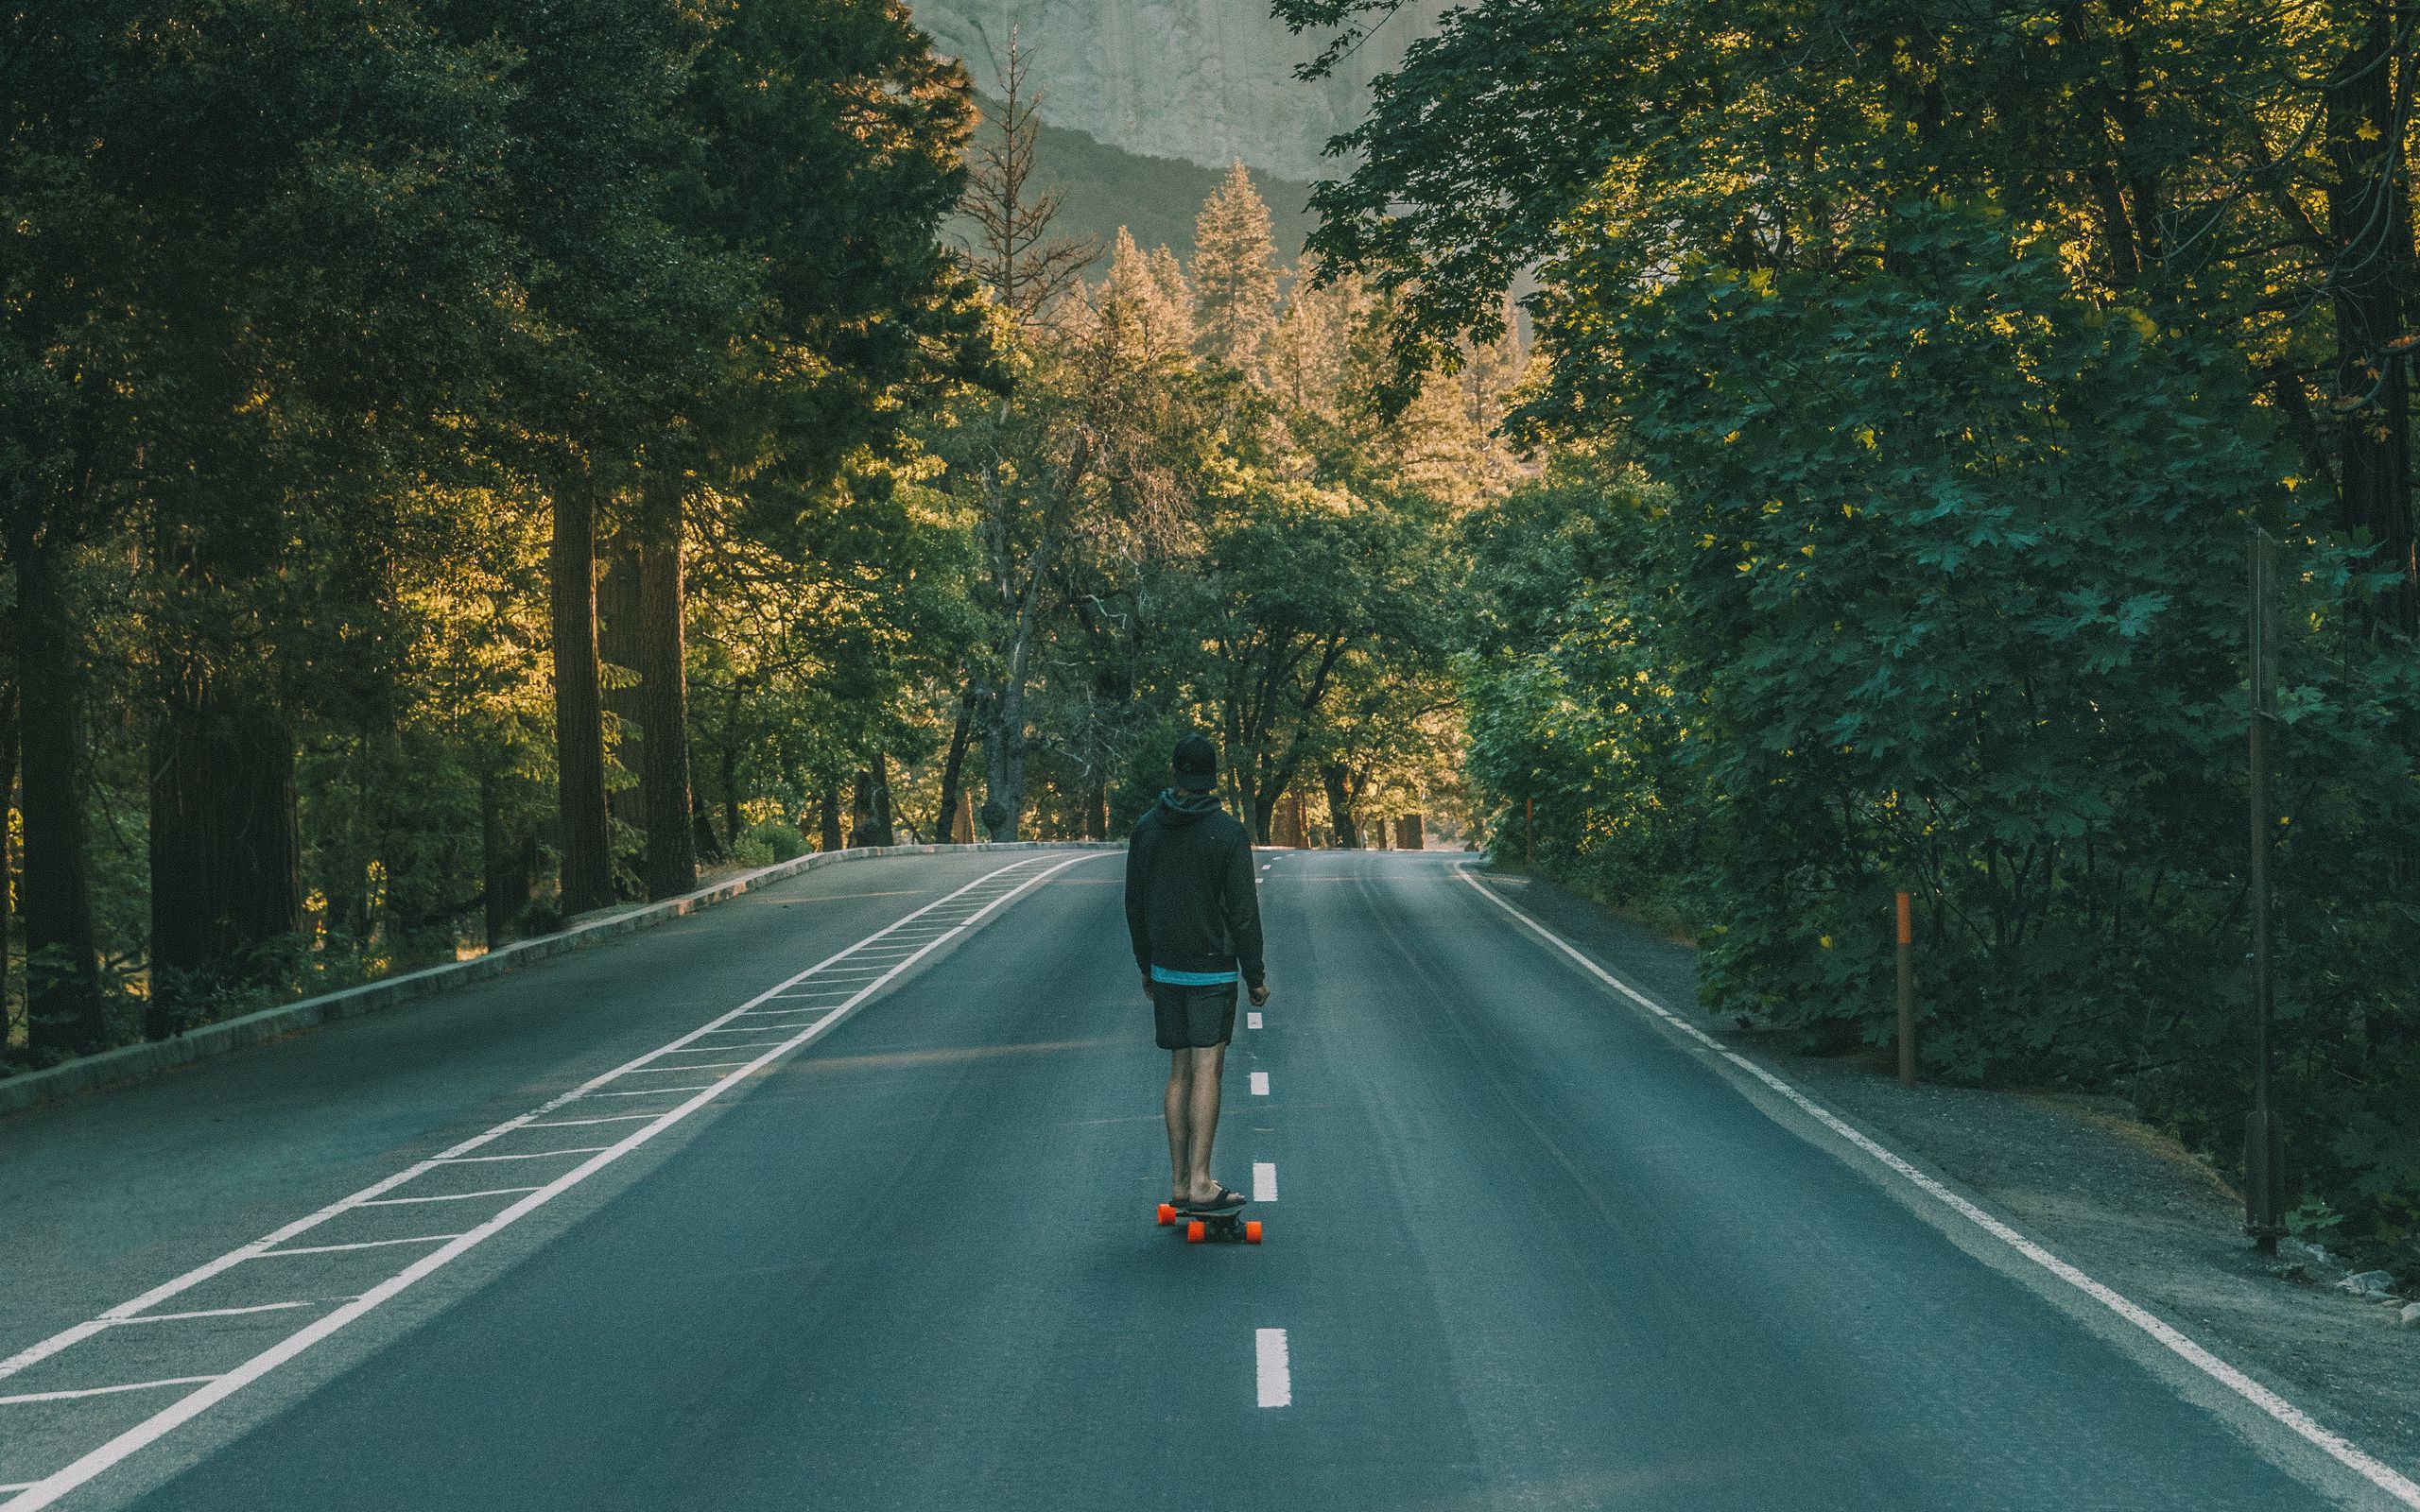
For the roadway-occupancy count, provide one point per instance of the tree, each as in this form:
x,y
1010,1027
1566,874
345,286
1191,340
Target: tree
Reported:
x,y
2206,158
1235,272
1027,268
835,139
1146,301
634,319
1309,581
199,343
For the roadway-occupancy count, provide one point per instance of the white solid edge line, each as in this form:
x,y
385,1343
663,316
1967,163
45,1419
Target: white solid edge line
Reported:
x,y
1260,1084
1276,1377
58,1484
1264,1181
2377,1473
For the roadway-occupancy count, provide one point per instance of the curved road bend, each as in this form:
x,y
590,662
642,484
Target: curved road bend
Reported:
x,y
1526,1247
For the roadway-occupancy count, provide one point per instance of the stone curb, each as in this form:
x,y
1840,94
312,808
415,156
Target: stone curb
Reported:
x,y
112,1067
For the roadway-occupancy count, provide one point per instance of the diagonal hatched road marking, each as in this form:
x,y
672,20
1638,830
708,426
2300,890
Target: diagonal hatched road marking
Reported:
x,y
926,930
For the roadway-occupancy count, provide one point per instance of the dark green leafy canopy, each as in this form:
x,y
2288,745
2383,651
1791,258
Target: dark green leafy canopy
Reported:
x,y
832,138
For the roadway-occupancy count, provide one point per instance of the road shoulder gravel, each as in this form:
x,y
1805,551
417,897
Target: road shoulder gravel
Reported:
x,y
2121,1200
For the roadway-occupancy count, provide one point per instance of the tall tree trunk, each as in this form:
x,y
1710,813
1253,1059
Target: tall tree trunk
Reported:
x,y
2370,221
729,766
701,828
828,821
861,810
621,610
7,803
509,862
1004,758
1339,807
954,768
63,1005
580,721
225,846
884,828
671,861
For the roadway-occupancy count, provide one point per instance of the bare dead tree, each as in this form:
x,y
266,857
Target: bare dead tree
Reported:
x,y
1029,269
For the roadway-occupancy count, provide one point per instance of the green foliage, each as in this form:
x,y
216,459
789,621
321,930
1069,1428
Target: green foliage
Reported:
x,y
307,318
1234,271
1940,586
1929,364
769,841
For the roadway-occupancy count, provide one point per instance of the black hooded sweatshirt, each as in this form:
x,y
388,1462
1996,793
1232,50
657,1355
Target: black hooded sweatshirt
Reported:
x,y
1190,903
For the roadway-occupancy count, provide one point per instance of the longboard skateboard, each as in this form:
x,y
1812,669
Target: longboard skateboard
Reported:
x,y
1230,1228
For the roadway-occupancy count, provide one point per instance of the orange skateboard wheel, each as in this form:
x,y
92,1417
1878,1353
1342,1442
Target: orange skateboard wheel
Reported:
x,y
1195,1231
1252,1231
1167,1214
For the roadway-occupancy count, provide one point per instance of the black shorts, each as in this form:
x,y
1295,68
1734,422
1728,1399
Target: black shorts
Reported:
x,y
1194,1017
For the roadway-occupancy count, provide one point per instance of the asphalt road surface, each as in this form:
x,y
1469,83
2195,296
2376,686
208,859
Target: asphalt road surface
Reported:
x,y
841,1197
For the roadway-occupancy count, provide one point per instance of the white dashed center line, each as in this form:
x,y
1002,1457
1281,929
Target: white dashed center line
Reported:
x,y
1260,1084
1276,1381
1264,1181
1251,1021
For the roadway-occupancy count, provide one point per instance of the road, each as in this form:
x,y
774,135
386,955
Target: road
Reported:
x,y
1528,1245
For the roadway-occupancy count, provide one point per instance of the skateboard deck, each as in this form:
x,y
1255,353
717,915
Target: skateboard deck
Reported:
x,y
1229,1228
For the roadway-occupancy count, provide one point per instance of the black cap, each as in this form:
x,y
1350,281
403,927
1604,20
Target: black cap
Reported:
x,y
1196,763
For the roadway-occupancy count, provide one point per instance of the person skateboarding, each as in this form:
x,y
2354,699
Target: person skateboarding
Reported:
x,y
1195,919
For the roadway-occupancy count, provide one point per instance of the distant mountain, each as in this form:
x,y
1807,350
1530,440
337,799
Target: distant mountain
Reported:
x,y
1154,197
1206,81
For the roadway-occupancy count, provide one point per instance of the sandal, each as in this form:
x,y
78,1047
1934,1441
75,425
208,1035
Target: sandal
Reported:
x,y
1225,1201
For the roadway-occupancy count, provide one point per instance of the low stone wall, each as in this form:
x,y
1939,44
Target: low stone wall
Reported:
x,y
111,1067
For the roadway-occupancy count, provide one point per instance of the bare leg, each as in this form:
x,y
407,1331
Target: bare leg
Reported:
x,y
1201,1118
1179,1103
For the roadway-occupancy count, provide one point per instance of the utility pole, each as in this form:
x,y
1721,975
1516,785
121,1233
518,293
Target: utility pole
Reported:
x,y
2263,1180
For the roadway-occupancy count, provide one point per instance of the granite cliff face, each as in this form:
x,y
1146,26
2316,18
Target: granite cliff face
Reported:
x,y
1208,80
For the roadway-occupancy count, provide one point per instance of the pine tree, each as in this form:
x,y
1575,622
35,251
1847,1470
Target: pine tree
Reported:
x,y
1234,271
1449,437
1148,295
1305,361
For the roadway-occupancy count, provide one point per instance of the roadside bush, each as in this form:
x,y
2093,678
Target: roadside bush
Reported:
x,y
768,841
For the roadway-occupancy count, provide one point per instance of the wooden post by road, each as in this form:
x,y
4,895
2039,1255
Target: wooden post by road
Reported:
x,y
2264,1215
1907,995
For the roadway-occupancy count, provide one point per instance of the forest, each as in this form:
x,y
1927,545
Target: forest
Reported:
x,y
465,465
1911,380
